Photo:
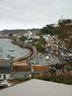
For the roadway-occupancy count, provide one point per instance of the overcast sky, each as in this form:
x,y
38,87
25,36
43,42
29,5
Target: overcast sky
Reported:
x,y
22,14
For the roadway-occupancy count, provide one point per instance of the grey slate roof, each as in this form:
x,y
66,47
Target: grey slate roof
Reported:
x,y
4,62
5,66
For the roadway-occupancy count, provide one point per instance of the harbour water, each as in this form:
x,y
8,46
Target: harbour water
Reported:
x,y
8,49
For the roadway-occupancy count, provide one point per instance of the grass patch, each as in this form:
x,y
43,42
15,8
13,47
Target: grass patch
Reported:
x,y
65,79
21,79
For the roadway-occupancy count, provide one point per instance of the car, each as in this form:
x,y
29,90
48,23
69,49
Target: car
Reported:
x,y
46,54
47,57
40,56
3,84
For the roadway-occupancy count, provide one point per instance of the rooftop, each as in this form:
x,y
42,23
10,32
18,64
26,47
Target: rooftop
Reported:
x,y
38,88
41,68
4,62
5,66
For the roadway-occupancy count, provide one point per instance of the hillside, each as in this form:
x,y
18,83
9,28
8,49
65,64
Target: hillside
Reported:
x,y
63,29
18,31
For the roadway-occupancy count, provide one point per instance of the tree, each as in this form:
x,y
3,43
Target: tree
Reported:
x,y
23,38
49,29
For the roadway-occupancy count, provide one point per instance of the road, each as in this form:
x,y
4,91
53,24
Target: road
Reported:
x,y
42,61
53,60
35,53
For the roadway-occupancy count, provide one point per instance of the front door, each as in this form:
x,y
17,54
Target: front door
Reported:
x,y
4,76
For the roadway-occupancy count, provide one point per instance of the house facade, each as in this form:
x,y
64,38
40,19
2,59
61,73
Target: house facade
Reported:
x,y
5,69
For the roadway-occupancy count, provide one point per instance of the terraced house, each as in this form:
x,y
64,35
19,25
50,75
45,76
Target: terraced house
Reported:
x,y
5,69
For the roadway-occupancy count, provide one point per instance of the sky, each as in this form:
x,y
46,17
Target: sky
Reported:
x,y
26,14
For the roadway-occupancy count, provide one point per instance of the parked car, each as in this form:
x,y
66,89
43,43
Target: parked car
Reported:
x,y
47,57
40,56
46,54
3,84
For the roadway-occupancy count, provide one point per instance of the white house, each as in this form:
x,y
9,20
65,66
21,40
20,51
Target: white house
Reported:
x,y
29,34
47,37
55,37
27,41
17,36
35,37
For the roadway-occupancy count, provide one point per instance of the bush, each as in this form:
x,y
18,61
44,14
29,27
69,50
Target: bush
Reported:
x,y
21,79
65,79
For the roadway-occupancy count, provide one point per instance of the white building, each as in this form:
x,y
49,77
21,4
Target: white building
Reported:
x,y
29,34
47,37
27,41
17,36
55,37
35,37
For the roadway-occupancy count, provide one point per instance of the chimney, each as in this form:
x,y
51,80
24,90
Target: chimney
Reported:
x,y
12,59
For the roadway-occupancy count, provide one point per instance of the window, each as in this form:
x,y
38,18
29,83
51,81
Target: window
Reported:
x,y
0,76
4,76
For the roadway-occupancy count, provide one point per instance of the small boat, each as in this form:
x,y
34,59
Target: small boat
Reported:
x,y
11,50
8,56
21,52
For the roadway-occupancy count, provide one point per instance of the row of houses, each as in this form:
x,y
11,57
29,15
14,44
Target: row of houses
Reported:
x,y
19,70
66,56
28,34
52,41
9,70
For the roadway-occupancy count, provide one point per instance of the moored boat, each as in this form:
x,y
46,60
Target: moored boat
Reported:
x,y
11,50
